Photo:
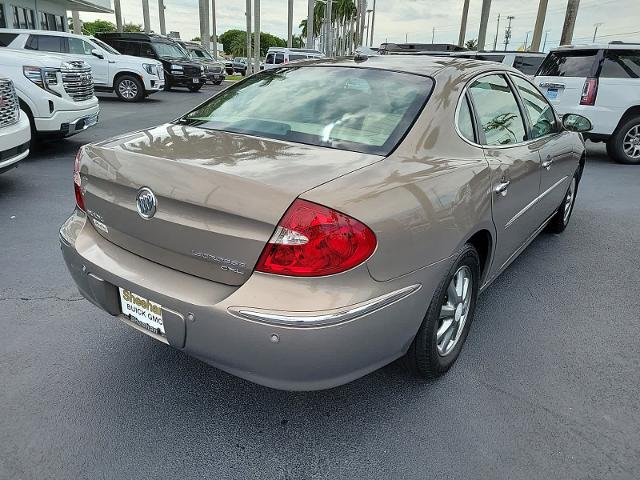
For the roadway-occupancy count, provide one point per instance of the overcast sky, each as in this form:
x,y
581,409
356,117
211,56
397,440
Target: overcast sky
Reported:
x,y
411,19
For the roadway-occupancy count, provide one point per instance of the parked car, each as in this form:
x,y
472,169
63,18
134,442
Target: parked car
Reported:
x,y
228,66
179,69
240,65
214,70
601,82
55,93
303,244
278,56
527,62
15,131
131,78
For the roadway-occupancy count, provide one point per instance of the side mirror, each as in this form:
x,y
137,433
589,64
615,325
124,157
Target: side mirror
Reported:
x,y
96,53
576,123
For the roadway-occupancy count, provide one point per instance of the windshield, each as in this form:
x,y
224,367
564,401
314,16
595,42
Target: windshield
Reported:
x,y
104,46
198,53
357,109
169,50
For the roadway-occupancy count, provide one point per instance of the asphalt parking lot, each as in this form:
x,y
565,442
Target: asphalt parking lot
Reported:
x,y
548,385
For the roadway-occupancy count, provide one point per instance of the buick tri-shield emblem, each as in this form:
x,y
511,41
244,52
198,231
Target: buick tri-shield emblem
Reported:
x,y
146,203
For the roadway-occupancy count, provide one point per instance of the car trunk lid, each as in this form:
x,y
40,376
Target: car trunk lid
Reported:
x,y
219,195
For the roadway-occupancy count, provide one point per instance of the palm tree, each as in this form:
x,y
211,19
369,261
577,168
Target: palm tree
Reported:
x,y
343,15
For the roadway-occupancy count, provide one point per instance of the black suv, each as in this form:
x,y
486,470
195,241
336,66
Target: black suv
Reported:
x,y
179,69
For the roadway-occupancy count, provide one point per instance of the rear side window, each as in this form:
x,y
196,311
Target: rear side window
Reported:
x,y
79,47
578,63
46,43
527,65
7,38
130,48
293,57
279,58
497,110
621,64
368,110
490,58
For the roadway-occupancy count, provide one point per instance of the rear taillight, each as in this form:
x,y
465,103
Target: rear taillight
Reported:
x,y
312,240
589,92
77,183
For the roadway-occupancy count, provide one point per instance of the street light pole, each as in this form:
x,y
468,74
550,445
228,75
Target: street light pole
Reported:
x,y
463,23
256,35
290,24
163,25
373,22
595,32
249,56
145,16
537,30
484,20
526,40
214,33
310,5
544,46
118,11
495,39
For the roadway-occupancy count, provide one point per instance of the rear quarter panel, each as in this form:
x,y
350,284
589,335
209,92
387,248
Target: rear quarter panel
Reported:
x,y
426,199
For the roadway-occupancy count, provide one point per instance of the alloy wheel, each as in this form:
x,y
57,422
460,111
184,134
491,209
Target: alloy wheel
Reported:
x,y
454,310
128,89
631,142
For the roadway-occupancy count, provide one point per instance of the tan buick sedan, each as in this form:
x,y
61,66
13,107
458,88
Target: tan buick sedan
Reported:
x,y
313,223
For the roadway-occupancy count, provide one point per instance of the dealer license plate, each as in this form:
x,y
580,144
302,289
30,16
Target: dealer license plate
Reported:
x,y
142,312
196,80
552,93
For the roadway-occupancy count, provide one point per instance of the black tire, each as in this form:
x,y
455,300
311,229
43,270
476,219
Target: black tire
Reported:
x,y
423,356
167,85
243,73
217,82
615,145
129,88
561,218
195,88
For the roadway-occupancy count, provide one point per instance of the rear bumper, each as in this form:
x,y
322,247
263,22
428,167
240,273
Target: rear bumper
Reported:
x,y
236,330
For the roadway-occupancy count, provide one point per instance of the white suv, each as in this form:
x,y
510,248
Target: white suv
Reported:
x,y
55,93
601,82
15,133
131,78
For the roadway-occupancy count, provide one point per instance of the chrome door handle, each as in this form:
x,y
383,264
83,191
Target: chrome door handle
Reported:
x,y
547,164
502,187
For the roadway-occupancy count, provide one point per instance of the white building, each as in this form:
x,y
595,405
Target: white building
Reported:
x,y
46,14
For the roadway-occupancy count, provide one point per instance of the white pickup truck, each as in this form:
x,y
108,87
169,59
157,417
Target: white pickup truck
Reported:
x,y
54,92
132,78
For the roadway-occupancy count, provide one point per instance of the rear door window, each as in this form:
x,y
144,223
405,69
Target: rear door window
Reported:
x,y
47,43
131,48
576,63
527,65
79,47
279,58
621,64
294,57
497,110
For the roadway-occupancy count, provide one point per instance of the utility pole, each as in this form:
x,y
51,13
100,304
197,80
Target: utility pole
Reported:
x,y
145,16
214,30
328,44
373,22
290,24
77,23
595,32
484,20
256,35
310,5
569,22
366,28
526,40
463,23
433,34
545,40
495,39
507,32
163,25
362,19
204,24
118,11
249,56
537,30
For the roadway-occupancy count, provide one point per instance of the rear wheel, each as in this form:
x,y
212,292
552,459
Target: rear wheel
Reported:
x,y
446,324
624,144
195,88
167,85
561,218
129,88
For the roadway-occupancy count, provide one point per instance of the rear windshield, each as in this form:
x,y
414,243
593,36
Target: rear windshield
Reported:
x,y
357,109
527,65
578,63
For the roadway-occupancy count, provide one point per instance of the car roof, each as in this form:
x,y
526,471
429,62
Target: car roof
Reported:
x,y
42,32
599,46
416,64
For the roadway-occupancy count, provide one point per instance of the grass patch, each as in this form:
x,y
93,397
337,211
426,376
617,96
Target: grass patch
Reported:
x,y
234,78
